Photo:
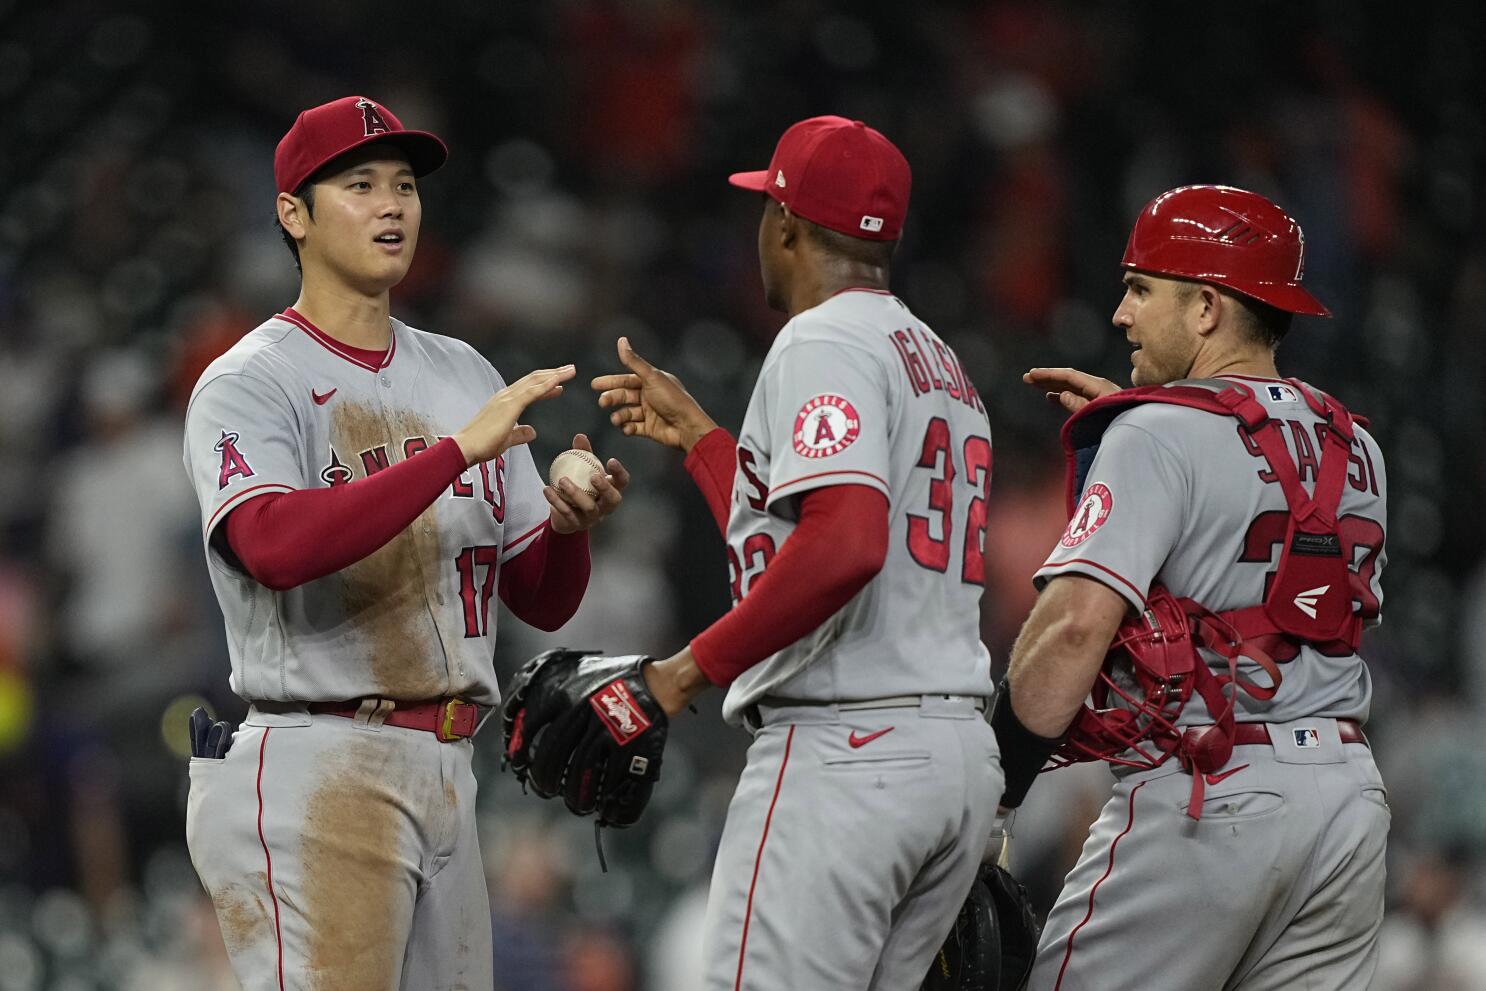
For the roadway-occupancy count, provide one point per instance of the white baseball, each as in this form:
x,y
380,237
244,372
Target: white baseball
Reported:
x,y
578,467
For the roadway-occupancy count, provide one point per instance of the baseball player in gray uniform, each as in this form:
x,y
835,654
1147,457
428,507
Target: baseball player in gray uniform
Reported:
x,y
853,507
365,491
1224,508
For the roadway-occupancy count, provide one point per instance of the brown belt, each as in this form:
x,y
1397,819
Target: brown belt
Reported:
x,y
1258,733
447,719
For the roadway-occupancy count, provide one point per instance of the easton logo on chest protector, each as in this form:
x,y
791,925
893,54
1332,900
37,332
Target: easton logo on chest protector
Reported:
x,y
620,712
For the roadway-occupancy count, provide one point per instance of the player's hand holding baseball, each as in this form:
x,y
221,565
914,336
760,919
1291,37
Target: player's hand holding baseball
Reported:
x,y
573,509
649,402
1069,387
495,429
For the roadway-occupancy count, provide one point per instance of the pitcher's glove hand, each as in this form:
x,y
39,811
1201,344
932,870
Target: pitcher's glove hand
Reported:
x,y
585,726
994,939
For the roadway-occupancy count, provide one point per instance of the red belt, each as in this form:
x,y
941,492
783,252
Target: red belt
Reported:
x,y
448,719
1258,733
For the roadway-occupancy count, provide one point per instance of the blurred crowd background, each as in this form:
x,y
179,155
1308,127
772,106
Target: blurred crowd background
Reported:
x,y
585,199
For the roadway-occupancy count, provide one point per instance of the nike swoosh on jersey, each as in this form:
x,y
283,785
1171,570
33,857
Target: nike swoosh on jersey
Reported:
x,y
321,400
862,741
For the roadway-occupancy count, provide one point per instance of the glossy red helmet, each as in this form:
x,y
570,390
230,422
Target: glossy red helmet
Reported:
x,y
1227,236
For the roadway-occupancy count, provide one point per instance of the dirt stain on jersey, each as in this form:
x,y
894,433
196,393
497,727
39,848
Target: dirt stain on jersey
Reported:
x,y
243,913
354,880
384,592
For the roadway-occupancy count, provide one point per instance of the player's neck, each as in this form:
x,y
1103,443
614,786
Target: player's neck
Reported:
x,y
349,317
1259,364
820,285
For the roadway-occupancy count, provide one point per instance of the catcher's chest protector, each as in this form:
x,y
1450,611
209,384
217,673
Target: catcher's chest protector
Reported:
x,y
1296,604
1311,561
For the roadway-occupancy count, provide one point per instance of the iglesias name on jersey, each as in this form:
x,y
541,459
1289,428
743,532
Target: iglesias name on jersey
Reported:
x,y
858,391
288,408
1185,499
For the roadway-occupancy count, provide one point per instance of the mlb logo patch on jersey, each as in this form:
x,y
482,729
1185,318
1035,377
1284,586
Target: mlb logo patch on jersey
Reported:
x,y
1282,394
1090,515
1307,737
826,425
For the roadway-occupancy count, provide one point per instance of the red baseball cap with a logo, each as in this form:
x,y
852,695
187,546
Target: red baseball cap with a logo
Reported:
x,y
328,131
840,174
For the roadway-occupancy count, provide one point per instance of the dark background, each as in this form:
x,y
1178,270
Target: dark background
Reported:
x,y
585,198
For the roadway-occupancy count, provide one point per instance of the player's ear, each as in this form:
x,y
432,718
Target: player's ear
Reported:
x,y
1209,304
789,226
292,215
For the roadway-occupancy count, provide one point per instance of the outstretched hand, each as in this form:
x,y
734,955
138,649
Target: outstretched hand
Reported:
x,y
495,429
649,402
1069,387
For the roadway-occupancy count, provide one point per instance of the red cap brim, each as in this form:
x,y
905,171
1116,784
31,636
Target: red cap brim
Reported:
x,y
756,181
425,151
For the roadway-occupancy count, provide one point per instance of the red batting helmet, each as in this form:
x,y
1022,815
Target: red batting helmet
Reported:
x,y
1231,237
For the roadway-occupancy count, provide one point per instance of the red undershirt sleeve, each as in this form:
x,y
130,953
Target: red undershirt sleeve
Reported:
x,y
284,539
711,463
814,574
544,584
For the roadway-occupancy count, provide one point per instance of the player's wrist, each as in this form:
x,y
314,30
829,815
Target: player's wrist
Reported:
x,y
693,432
676,681
463,442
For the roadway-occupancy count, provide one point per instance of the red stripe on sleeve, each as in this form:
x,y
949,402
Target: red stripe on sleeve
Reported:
x,y
814,574
712,462
285,539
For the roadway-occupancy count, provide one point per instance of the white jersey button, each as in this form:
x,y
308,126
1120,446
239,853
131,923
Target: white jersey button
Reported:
x,y
386,381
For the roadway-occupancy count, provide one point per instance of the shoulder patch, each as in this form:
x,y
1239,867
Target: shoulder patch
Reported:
x,y
1090,515
826,425
234,465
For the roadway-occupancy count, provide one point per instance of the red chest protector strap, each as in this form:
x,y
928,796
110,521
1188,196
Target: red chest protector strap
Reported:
x,y
1309,599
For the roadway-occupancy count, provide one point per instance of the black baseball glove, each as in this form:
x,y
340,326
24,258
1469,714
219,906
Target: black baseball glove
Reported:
x,y
586,727
994,939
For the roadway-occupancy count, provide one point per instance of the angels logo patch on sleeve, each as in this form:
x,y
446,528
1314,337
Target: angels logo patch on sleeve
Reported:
x,y
826,425
234,465
1090,515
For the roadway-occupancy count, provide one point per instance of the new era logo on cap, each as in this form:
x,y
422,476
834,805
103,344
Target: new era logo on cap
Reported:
x,y
843,175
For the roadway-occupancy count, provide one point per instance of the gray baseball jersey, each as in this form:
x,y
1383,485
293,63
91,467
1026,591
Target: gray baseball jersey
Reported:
x,y
1292,832
855,833
290,408
1176,497
857,391
341,852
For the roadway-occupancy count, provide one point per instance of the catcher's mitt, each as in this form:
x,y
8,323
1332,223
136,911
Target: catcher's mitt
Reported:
x,y
587,727
994,939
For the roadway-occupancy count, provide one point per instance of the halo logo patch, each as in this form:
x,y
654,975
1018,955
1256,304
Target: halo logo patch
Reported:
x,y
1090,515
826,425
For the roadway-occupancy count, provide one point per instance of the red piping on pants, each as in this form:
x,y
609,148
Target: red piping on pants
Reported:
x,y
759,858
268,861
1068,955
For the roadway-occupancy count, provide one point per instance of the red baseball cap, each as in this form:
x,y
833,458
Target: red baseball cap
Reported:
x,y
328,131
840,174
